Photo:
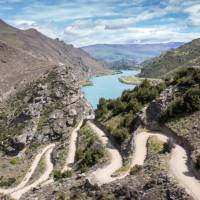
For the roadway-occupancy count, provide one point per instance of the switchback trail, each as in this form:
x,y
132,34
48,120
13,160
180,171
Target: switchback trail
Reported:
x,y
178,162
49,168
103,175
29,173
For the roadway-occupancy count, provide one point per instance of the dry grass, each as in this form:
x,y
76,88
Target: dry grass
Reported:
x,y
133,80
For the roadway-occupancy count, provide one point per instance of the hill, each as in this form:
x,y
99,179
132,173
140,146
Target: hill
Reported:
x,y
128,55
26,54
182,57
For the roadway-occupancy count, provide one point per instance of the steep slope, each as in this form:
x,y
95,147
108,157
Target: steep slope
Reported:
x,y
17,67
33,51
182,57
128,55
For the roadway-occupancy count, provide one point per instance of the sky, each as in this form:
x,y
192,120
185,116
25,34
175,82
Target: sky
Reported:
x,y
87,22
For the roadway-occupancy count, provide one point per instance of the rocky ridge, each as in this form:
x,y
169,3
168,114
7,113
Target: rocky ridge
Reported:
x,y
43,111
25,55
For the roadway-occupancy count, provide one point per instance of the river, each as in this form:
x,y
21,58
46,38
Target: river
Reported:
x,y
108,87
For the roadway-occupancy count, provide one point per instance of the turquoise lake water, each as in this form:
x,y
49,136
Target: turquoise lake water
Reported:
x,y
108,87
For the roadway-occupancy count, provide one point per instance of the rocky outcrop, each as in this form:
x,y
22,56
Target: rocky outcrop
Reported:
x,y
45,110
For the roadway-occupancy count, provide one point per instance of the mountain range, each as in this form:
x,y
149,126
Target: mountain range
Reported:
x,y
128,55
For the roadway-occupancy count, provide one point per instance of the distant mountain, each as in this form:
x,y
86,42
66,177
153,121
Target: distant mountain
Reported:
x,y
117,54
27,54
187,55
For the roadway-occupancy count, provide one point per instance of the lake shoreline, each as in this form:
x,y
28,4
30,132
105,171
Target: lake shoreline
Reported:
x,y
107,86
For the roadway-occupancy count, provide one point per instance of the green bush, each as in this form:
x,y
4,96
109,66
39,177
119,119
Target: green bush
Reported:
x,y
60,175
197,164
3,116
175,109
89,158
7,182
13,161
125,108
192,99
90,155
135,169
186,104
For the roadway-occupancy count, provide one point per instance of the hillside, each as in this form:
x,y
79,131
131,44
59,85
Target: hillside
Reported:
x,y
128,55
26,54
182,57
156,121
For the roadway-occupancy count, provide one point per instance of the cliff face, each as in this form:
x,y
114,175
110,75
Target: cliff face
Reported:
x,y
27,54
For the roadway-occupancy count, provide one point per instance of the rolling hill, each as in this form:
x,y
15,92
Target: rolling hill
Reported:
x,y
185,56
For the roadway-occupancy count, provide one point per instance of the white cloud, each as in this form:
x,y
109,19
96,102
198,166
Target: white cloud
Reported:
x,y
47,28
84,22
194,14
99,34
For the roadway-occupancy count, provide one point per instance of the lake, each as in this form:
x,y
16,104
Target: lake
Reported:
x,y
108,87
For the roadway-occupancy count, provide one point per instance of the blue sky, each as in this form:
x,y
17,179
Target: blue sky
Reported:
x,y
85,22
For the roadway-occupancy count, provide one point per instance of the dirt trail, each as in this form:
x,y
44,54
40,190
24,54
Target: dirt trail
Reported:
x,y
103,175
178,162
72,148
49,168
29,173
179,169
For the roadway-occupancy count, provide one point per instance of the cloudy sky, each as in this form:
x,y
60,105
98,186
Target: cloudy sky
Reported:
x,y
85,22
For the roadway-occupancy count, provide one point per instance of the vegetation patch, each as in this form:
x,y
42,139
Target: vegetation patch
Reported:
x,y
189,102
58,175
135,169
124,109
121,170
154,146
90,150
134,80
7,182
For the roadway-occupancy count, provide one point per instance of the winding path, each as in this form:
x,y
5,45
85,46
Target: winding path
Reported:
x,y
103,175
29,173
72,151
72,147
49,168
179,169
178,162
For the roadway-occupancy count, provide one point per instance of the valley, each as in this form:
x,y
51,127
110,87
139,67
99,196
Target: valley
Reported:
x,y
71,128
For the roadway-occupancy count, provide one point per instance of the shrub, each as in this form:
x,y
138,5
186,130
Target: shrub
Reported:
x,y
67,174
135,169
167,147
13,161
60,175
175,109
192,99
3,116
186,81
197,164
90,158
133,106
7,182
